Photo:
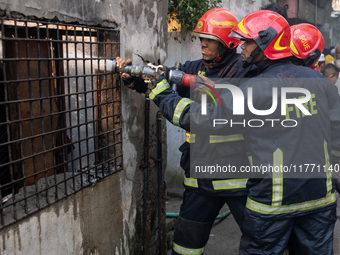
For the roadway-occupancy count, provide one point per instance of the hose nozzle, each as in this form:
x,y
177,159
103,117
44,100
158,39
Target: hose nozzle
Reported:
x,y
107,65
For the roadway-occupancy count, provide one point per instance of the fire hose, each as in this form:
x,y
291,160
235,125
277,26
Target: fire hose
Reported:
x,y
220,216
175,77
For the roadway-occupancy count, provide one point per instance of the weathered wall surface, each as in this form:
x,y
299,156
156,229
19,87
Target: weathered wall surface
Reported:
x,y
190,50
105,219
312,14
86,223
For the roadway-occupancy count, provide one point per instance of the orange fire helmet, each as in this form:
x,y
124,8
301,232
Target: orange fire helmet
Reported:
x,y
216,24
269,30
307,44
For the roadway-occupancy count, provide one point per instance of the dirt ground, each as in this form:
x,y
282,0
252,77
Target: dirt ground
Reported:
x,y
225,234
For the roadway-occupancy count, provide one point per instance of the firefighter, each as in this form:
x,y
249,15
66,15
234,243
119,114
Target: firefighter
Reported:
x,y
276,205
291,205
306,45
203,198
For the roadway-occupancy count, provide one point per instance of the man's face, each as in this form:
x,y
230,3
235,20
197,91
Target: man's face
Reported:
x,y
209,49
247,48
337,52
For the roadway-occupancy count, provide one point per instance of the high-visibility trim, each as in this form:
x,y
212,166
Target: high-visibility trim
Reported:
x,y
277,178
335,153
179,109
187,251
250,159
161,86
230,184
191,182
222,23
201,72
190,138
225,138
328,171
280,209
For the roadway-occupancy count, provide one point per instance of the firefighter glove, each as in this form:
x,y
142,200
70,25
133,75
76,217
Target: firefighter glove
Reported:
x,y
137,84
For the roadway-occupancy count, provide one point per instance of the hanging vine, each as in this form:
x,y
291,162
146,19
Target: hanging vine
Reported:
x,y
187,12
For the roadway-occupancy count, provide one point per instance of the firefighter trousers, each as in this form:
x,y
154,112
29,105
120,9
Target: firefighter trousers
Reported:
x,y
197,215
312,234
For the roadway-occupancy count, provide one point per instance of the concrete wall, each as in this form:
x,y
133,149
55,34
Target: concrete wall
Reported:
x,y
190,50
335,24
309,12
335,34
107,218
292,11
303,11
319,17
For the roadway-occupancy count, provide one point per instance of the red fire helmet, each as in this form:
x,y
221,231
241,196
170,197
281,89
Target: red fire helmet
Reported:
x,y
216,24
307,43
268,29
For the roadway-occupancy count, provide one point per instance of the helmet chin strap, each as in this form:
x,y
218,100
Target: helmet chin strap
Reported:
x,y
312,57
263,40
252,56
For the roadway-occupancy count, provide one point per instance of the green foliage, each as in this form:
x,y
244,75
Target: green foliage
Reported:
x,y
187,12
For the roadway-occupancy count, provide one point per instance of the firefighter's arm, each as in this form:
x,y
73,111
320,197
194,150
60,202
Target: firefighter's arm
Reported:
x,y
172,106
186,113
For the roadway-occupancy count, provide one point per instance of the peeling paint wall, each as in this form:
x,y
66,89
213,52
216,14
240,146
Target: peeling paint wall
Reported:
x,y
107,218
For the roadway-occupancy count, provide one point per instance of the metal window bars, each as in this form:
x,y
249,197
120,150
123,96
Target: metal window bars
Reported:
x,y
60,117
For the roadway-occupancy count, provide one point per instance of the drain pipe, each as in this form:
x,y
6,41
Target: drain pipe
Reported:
x,y
161,188
146,209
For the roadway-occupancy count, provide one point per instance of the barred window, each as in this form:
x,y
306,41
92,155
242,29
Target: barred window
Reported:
x,y
60,117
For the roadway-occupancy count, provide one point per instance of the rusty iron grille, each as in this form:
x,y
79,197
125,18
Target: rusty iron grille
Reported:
x,y
60,116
